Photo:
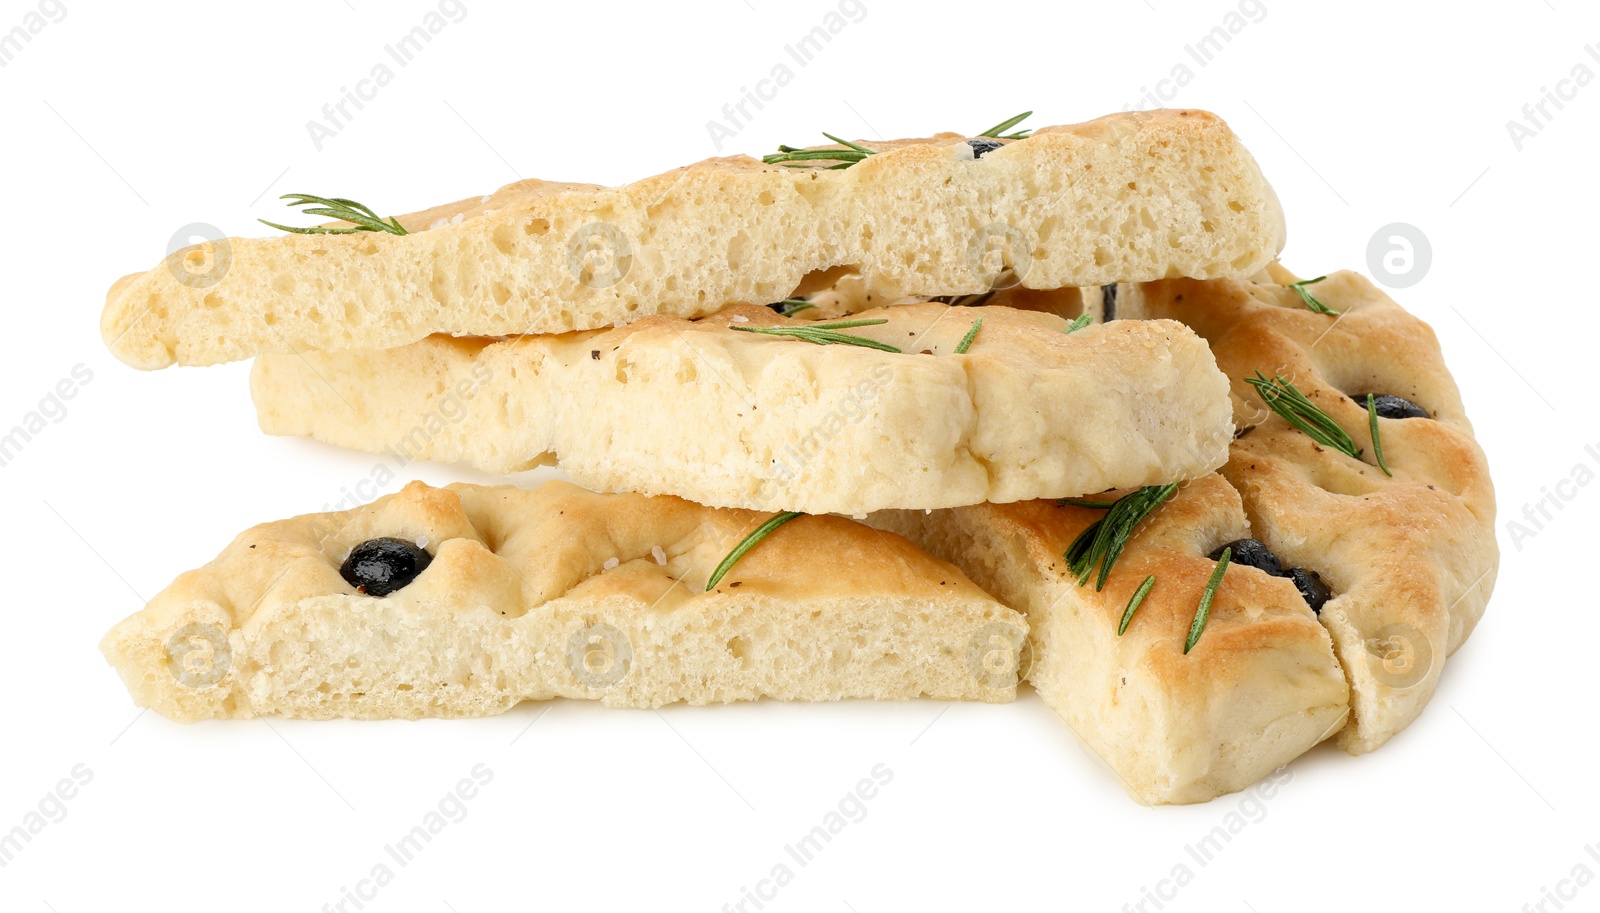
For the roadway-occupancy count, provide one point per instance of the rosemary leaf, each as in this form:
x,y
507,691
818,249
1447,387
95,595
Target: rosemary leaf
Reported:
x,y
1079,323
966,341
824,334
1203,614
998,129
1377,444
1099,545
750,542
1097,505
1312,301
362,218
1286,400
1134,603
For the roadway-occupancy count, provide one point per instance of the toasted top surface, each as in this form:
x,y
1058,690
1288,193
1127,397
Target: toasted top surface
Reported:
x,y
1133,196
515,550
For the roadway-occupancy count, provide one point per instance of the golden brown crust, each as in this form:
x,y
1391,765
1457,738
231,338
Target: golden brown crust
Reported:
x,y
1412,558
779,424
270,626
1137,195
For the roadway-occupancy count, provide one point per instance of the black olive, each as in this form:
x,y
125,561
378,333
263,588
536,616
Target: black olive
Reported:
x,y
378,567
1252,553
982,147
1108,303
776,306
1390,406
1311,588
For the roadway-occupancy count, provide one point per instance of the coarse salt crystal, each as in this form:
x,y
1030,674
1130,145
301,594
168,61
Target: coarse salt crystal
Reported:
x,y
740,318
438,223
659,554
611,563
456,219
485,198
422,542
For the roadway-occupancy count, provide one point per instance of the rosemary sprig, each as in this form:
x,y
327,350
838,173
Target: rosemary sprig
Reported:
x,y
361,217
1203,614
1377,443
1103,540
1312,301
790,306
1134,603
966,341
750,542
852,153
998,130
824,333
1075,502
1283,398
1078,323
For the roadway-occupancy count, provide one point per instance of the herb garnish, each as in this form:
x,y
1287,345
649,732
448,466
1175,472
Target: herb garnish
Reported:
x,y
1283,398
998,130
1203,614
1103,540
363,217
790,306
855,152
1377,443
1099,505
1312,301
1134,603
1078,323
966,341
852,153
823,333
750,542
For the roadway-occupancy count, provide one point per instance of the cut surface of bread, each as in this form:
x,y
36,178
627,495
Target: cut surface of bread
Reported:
x,y
560,592
1141,195
709,411
1260,687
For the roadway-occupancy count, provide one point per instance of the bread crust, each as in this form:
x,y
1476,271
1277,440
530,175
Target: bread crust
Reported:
x,y
1410,559
705,411
560,592
1139,195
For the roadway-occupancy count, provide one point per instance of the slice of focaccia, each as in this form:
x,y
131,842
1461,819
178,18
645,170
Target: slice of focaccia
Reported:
x,y
1397,569
465,600
711,411
1131,196
1410,558
1260,687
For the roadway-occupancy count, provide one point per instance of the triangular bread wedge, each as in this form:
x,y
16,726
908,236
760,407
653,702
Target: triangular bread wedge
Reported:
x,y
560,592
1260,687
710,411
1140,195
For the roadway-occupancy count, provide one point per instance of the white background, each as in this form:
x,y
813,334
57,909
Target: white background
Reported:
x,y
123,122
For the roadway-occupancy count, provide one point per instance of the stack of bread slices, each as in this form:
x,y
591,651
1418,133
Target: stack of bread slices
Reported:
x,y
922,418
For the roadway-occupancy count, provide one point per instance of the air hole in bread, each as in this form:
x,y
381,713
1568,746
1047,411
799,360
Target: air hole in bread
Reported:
x,y
536,226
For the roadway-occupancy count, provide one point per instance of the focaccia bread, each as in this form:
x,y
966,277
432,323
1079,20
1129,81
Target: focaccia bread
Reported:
x,y
1411,558
557,592
1405,564
709,411
1260,687
1139,195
